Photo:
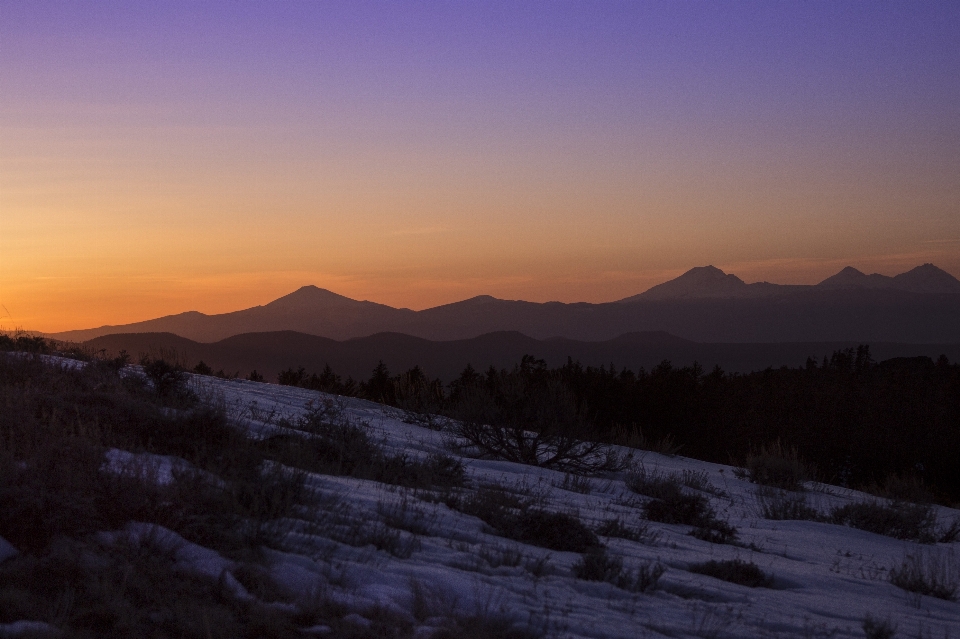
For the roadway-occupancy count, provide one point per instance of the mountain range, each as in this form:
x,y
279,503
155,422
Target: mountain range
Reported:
x,y
702,305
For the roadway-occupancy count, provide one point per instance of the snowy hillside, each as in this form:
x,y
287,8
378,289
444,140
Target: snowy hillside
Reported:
x,y
815,579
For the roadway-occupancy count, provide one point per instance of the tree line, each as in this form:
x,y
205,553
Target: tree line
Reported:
x,y
857,421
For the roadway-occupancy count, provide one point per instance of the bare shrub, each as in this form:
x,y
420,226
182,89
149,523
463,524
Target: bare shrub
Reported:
x,y
776,466
534,424
781,505
933,573
514,516
678,507
654,484
735,571
597,565
696,479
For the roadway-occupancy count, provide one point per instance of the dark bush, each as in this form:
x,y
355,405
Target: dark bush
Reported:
x,y
529,417
780,505
934,574
735,571
690,510
514,516
654,484
202,369
897,520
167,378
778,467
555,531
435,471
716,531
597,565
679,508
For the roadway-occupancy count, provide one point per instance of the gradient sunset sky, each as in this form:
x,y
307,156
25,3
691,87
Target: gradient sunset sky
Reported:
x,y
158,157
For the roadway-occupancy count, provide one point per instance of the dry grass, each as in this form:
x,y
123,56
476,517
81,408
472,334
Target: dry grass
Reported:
x,y
778,467
934,573
597,565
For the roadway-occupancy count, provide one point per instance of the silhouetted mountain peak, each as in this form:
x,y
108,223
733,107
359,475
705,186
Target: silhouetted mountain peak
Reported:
x,y
309,295
312,298
927,278
849,271
922,279
698,282
850,277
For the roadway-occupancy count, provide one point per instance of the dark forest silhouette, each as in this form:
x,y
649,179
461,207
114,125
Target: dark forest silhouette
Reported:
x,y
857,421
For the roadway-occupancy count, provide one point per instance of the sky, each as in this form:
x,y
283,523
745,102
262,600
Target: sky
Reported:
x,y
163,157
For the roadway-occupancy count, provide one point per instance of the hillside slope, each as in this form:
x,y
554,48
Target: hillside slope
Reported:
x,y
514,550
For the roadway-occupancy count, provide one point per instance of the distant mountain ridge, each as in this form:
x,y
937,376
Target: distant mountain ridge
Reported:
x,y
704,304
270,353
922,279
711,282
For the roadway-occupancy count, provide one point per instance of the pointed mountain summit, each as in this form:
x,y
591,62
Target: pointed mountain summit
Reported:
x,y
925,279
312,298
850,277
698,282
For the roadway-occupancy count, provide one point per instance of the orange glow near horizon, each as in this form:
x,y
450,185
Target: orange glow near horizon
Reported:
x,y
179,157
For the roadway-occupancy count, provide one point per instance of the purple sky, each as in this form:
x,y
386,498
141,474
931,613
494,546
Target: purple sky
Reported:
x,y
160,157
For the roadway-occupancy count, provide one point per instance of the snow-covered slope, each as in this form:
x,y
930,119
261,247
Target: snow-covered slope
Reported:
x,y
827,578
438,562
